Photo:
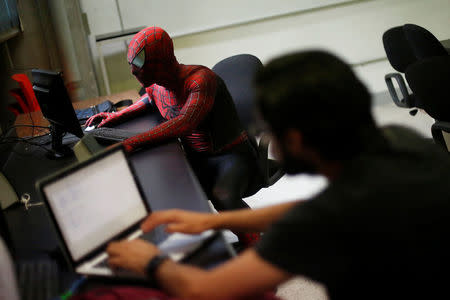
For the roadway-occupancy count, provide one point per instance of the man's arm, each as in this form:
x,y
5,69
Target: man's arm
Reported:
x,y
238,220
245,275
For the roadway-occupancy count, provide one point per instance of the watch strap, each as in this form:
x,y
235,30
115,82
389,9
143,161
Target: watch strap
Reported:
x,y
154,264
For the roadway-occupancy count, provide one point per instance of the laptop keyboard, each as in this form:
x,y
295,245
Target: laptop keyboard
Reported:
x,y
156,236
103,264
116,271
112,134
38,279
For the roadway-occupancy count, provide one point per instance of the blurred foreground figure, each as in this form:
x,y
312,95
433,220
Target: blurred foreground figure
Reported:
x,y
377,231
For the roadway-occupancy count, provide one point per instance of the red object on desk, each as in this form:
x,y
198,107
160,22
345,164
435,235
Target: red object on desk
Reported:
x,y
25,95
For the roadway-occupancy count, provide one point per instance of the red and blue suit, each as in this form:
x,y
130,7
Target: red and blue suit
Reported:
x,y
197,108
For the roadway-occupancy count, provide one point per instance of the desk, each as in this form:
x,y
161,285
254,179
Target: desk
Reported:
x,y
156,168
36,118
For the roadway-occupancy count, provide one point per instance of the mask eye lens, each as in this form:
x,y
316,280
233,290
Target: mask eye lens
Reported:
x,y
139,60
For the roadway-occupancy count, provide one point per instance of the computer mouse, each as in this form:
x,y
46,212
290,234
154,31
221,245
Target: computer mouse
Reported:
x,y
93,124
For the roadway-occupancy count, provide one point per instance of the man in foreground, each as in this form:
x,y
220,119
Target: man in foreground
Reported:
x,y
377,231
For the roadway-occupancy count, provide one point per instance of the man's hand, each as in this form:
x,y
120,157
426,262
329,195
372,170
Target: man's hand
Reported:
x,y
242,220
180,221
132,255
102,119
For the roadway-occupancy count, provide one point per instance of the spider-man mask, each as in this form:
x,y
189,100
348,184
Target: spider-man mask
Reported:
x,y
152,59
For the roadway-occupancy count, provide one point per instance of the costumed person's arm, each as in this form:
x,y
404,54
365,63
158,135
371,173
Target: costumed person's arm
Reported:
x,y
143,104
199,102
239,220
242,276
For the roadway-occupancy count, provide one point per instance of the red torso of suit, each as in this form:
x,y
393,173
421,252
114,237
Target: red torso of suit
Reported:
x,y
199,110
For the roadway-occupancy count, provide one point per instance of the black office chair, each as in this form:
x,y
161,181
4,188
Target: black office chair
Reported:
x,y
238,72
404,46
429,79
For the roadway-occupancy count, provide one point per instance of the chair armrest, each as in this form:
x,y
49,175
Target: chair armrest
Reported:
x,y
275,172
270,168
441,134
263,145
407,101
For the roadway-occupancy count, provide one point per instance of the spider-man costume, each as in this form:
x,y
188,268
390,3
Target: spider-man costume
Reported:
x,y
196,107
192,99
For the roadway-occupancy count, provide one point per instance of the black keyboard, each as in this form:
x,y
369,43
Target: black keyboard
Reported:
x,y
112,134
38,279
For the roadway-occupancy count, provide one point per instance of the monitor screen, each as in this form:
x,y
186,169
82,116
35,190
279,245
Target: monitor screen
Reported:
x,y
94,204
56,107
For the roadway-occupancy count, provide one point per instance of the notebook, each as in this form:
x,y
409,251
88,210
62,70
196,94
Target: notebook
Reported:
x,y
97,201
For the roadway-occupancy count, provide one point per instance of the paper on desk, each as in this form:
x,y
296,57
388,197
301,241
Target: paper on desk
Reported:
x,y
179,245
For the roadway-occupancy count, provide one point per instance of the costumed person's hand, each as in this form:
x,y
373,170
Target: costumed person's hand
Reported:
x,y
101,119
132,255
179,221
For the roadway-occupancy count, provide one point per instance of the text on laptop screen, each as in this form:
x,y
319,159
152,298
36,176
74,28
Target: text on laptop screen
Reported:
x,y
95,203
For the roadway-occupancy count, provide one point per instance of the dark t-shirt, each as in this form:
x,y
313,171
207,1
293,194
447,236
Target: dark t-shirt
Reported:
x,y
380,230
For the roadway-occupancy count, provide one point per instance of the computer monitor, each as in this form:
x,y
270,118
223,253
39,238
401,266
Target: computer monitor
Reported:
x,y
57,108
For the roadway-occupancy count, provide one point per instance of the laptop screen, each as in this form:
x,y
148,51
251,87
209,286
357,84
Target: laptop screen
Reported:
x,y
94,203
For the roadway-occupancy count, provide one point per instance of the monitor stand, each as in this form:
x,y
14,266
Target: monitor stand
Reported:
x,y
58,149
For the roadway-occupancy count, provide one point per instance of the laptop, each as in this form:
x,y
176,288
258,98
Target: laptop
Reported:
x,y
99,200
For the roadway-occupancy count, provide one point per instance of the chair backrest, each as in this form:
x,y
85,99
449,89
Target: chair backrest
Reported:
x,y
238,72
405,46
422,42
398,50
429,79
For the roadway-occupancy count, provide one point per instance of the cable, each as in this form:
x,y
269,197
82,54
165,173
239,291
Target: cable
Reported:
x,y
73,288
15,139
25,139
23,125
32,123
5,139
7,132
41,132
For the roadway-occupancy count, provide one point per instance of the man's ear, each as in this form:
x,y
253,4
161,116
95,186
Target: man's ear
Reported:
x,y
293,141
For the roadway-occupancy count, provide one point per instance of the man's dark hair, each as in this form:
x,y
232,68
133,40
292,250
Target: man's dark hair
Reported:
x,y
318,94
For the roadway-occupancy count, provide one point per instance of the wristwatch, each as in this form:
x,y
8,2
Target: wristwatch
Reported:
x,y
154,264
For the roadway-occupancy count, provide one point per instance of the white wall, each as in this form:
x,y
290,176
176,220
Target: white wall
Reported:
x,y
352,30
64,40
200,15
